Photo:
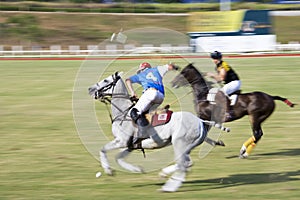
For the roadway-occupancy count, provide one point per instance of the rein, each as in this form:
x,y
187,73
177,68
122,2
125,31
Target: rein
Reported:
x,y
107,99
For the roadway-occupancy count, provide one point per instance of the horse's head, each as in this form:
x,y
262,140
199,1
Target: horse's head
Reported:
x,y
187,76
191,76
105,87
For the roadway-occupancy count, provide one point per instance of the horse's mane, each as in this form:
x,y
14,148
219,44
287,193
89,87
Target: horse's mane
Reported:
x,y
121,86
195,78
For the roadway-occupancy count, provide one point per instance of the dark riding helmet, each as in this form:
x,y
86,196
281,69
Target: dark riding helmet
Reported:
x,y
216,55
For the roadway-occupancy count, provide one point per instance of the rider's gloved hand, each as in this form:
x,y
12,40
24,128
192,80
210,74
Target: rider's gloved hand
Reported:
x,y
134,98
175,67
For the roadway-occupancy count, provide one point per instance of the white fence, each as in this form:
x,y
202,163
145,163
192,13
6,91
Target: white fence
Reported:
x,y
112,49
109,49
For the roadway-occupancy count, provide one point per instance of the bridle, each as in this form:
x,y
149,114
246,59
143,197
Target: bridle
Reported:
x,y
106,98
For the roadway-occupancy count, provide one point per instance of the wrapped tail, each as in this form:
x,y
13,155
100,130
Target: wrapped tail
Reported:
x,y
285,100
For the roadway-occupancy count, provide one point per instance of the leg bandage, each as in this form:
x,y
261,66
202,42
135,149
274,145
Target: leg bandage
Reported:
x,y
249,141
250,148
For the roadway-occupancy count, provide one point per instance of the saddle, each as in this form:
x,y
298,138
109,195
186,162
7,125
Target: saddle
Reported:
x,y
159,117
212,94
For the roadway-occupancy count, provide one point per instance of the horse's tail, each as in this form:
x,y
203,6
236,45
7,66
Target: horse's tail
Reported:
x,y
285,100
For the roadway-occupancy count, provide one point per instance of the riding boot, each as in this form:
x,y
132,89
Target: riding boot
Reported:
x,y
143,124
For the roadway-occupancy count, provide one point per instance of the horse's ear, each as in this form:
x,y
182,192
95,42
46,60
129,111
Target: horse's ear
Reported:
x,y
191,65
118,74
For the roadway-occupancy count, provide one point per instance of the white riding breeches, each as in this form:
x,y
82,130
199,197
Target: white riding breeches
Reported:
x,y
231,87
150,100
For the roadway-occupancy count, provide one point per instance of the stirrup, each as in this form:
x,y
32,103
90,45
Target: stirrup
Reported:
x,y
137,140
135,143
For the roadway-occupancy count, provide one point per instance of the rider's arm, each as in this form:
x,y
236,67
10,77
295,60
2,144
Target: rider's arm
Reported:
x,y
130,87
218,77
172,66
222,74
164,68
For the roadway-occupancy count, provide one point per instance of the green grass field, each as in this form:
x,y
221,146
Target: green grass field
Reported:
x,y
42,156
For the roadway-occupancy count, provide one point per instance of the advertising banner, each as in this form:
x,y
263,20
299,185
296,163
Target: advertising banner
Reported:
x,y
231,31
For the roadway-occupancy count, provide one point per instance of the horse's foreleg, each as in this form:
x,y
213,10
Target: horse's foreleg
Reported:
x,y
103,157
120,160
105,163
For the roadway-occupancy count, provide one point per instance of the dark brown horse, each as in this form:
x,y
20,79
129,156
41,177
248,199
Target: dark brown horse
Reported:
x,y
258,105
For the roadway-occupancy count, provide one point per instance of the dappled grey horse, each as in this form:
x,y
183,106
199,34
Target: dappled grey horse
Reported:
x,y
185,131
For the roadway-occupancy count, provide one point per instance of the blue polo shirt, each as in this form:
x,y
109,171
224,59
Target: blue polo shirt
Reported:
x,y
149,78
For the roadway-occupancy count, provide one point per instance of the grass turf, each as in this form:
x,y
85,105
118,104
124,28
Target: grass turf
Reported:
x,y
42,156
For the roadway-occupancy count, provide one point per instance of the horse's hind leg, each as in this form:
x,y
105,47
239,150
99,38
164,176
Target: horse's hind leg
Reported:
x,y
175,181
172,168
182,149
247,147
249,144
165,172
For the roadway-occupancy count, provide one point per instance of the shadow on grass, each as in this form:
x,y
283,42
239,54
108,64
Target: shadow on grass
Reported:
x,y
282,152
245,179
236,180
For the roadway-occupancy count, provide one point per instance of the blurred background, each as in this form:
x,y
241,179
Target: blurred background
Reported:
x,y
76,26
44,63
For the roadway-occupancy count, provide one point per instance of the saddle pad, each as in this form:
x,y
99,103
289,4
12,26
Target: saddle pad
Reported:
x,y
161,118
212,94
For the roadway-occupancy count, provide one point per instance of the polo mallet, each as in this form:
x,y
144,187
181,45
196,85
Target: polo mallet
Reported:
x,y
119,37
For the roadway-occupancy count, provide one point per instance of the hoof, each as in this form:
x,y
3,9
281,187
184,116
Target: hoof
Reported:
x,y
243,156
171,185
162,175
243,153
139,169
220,143
109,171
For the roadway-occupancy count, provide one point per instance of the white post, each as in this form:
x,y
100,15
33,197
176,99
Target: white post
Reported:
x,y
225,5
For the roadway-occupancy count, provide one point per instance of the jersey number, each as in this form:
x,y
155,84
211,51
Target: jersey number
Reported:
x,y
151,76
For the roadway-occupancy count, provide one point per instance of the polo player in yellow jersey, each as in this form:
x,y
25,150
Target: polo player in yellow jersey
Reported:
x,y
228,76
